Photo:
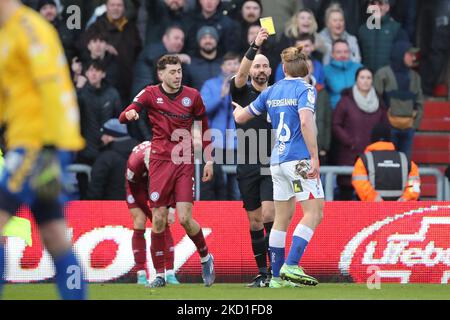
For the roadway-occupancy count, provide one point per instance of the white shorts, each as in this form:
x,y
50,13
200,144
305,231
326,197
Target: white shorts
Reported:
x,y
286,184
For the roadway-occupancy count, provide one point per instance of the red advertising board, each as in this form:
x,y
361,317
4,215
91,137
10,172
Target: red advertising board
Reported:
x,y
397,242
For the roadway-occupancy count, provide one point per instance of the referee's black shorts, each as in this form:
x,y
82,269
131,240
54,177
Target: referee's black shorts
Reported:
x,y
254,187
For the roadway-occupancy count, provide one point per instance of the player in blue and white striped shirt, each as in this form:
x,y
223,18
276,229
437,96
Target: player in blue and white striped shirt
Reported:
x,y
290,104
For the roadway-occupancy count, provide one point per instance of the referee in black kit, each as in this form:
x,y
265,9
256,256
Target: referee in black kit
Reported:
x,y
253,172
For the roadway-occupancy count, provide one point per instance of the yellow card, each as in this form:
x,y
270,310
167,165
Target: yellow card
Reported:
x,y
267,23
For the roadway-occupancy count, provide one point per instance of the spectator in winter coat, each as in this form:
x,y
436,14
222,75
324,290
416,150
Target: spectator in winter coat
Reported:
x,y
206,63
123,41
49,10
401,88
358,111
340,73
108,171
376,41
96,50
162,15
98,102
210,14
172,42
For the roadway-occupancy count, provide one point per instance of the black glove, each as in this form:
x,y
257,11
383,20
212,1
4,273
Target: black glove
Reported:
x,y
45,178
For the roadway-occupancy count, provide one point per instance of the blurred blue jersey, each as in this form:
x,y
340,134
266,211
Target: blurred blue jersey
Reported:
x,y
283,101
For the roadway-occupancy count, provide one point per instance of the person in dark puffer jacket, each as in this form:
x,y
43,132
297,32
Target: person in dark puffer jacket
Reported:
x,y
376,44
108,171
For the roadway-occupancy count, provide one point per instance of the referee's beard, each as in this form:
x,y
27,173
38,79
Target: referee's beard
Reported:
x,y
261,79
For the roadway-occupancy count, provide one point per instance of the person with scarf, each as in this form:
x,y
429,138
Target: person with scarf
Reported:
x,y
401,89
356,114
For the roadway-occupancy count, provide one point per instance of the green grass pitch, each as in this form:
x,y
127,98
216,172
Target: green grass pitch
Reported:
x,y
328,291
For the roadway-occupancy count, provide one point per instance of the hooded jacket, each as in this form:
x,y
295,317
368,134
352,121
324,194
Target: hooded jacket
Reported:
x,y
401,87
366,191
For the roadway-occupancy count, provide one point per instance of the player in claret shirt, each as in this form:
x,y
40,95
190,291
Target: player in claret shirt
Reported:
x,y
172,109
136,185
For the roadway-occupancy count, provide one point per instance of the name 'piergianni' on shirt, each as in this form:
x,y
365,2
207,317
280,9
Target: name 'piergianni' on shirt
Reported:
x,y
282,102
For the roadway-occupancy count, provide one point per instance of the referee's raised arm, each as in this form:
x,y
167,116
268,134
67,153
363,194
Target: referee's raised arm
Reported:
x,y
244,69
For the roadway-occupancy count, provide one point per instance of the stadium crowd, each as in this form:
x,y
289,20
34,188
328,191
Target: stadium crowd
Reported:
x,y
363,76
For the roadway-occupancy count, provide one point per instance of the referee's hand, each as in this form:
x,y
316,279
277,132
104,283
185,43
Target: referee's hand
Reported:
x,y
261,37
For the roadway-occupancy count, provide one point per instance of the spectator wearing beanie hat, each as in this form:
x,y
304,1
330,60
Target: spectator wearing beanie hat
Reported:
x,y
108,172
205,64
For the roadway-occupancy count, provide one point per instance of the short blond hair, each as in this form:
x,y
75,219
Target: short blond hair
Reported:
x,y
294,62
332,8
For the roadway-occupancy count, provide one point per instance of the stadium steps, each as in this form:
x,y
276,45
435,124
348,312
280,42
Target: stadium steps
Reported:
x,y
431,146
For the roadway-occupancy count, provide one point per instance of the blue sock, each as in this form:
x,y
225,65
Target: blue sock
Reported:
x,y
2,267
277,243
69,277
298,247
276,260
301,237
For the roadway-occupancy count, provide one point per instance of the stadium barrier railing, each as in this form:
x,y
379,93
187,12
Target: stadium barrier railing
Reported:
x,y
330,172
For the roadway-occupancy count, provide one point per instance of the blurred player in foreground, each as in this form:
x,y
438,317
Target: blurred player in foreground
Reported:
x,y
255,186
136,185
38,107
294,165
172,109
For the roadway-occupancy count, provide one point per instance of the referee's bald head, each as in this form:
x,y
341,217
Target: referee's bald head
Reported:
x,y
260,70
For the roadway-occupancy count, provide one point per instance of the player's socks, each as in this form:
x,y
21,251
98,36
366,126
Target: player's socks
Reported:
x,y
169,249
2,265
138,245
301,237
200,243
268,227
259,250
69,277
277,243
157,249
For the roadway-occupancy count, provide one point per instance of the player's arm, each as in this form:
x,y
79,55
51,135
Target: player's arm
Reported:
x,y
244,69
256,108
45,56
309,130
131,113
200,115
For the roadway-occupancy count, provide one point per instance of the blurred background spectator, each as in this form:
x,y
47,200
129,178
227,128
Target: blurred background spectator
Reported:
x,y
307,42
98,102
356,114
324,115
334,30
164,14
123,41
205,64
401,89
209,13
340,73
108,172
49,10
216,96
376,43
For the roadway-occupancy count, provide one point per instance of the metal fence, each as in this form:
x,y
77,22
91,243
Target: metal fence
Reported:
x,y
330,172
